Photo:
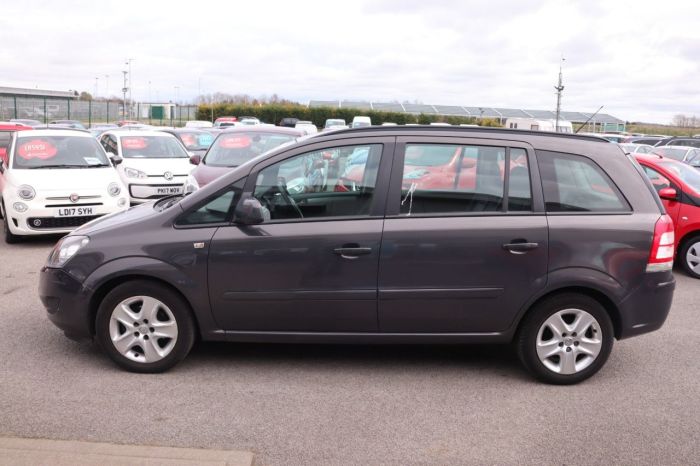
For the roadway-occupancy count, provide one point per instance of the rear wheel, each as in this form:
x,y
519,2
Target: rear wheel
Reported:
x,y
565,339
144,326
689,256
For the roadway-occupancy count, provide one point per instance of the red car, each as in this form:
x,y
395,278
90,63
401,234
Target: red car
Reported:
x,y
678,185
6,130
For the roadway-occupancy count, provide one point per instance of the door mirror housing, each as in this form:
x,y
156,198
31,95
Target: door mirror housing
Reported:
x,y
2,165
195,159
116,159
669,194
249,211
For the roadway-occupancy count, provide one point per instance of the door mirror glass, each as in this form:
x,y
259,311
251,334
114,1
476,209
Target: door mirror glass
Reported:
x,y
249,211
669,194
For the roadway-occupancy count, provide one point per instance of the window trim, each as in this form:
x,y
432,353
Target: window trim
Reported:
x,y
379,196
394,197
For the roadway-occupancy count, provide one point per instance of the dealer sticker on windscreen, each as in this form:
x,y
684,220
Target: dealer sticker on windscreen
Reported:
x,y
174,190
74,212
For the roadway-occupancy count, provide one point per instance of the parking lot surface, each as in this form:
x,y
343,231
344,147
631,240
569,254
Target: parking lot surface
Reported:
x,y
313,404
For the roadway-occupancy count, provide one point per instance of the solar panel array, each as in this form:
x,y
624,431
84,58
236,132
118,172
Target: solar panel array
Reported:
x,y
464,111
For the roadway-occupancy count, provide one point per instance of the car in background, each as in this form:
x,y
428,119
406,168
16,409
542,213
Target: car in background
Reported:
x,y
152,164
306,126
681,153
26,122
248,121
334,123
679,141
196,141
52,181
199,124
225,121
388,123
121,123
98,129
648,139
678,186
234,147
289,122
6,130
361,122
75,124
613,137
637,148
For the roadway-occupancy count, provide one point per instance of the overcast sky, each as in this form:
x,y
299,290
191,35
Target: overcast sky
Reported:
x,y
639,59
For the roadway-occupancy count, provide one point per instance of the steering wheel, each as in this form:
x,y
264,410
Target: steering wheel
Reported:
x,y
288,198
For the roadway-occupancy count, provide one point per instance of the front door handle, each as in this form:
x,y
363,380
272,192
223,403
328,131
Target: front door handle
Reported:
x,y
351,251
520,247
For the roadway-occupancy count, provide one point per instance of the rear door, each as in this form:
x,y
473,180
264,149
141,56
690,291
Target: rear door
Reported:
x,y
461,253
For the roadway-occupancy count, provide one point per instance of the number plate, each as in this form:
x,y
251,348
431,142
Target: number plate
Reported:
x,y
74,212
168,191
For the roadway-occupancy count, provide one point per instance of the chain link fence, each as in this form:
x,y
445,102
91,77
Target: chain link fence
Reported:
x,y
89,113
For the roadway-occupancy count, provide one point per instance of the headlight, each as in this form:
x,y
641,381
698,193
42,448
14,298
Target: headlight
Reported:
x,y
191,184
65,249
134,173
113,189
20,207
26,192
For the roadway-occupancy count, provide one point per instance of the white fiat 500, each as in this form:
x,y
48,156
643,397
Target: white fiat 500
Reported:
x,y
152,164
52,181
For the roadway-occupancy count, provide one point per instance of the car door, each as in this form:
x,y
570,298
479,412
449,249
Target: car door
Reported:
x,y
312,265
462,256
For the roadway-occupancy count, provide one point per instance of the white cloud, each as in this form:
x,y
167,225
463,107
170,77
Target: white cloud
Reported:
x,y
638,58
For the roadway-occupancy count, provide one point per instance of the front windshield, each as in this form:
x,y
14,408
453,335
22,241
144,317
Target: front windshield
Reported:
x,y
234,149
151,147
671,153
59,152
196,141
690,175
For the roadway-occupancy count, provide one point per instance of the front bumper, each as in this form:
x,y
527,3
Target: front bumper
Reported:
x,y
41,220
67,303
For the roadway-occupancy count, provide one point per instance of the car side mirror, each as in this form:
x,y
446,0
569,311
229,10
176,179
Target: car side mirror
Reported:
x,y
195,159
2,163
669,194
116,159
249,211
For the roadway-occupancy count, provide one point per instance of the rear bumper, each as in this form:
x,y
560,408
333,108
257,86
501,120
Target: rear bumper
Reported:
x,y
646,309
67,303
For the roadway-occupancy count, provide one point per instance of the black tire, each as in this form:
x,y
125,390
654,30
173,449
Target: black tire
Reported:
x,y
10,238
526,339
689,244
176,305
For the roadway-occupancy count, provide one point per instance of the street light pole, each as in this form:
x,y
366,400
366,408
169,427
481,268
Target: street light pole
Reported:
x,y
97,79
131,86
559,87
124,90
107,87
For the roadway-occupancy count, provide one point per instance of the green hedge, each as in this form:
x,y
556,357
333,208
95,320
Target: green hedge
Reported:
x,y
273,113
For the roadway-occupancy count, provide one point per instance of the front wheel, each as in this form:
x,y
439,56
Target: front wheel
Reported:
x,y
565,339
144,326
689,255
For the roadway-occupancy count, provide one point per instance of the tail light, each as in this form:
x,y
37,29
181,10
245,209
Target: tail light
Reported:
x,y
662,247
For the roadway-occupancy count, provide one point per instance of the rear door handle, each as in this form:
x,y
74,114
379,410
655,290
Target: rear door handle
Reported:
x,y
352,252
520,248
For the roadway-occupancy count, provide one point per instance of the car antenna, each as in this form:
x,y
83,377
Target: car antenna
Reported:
x,y
589,119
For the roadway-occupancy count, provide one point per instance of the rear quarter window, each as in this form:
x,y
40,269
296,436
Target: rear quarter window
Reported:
x,y
573,183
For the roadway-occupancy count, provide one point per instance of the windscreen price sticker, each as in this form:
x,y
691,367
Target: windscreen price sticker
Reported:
x,y
37,149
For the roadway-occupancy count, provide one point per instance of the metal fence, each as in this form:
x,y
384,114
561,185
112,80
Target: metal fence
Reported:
x,y
48,109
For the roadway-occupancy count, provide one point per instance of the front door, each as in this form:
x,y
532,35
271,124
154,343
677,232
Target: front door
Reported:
x,y
465,238
312,265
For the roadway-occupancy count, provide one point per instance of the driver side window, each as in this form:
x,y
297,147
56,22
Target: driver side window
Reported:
x,y
332,182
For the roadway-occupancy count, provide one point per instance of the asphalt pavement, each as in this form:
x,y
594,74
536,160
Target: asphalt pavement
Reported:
x,y
315,404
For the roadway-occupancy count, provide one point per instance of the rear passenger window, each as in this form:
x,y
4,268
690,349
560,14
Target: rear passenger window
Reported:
x,y
576,184
445,178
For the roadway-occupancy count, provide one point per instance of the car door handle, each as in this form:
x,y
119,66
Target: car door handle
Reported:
x,y
520,247
351,252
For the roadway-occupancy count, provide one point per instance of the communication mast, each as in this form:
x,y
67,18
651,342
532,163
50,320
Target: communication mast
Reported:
x,y
560,89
